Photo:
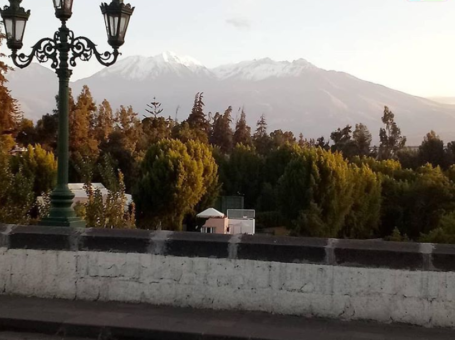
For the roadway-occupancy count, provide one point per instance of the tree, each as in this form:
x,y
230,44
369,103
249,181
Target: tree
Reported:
x,y
26,133
242,134
154,108
245,174
16,193
279,138
432,151
40,165
82,116
171,183
211,186
277,160
417,206
261,139
342,141
129,127
116,149
315,193
10,114
103,122
222,134
320,143
110,211
391,140
46,131
363,219
362,140
154,130
197,119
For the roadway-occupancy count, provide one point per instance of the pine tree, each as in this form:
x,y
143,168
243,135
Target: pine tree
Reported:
x,y
154,108
261,139
362,140
222,134
242,134
391,140
197,120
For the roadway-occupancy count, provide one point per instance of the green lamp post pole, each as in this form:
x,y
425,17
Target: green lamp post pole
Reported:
x,y
62,51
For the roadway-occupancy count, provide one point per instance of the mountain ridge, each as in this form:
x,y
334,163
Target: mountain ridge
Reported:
x,y
295,95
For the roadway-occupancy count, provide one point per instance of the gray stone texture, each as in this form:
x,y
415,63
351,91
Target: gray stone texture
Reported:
x,y
347,280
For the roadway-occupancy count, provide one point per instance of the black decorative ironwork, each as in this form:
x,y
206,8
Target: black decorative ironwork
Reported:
x,y
84,49
48,49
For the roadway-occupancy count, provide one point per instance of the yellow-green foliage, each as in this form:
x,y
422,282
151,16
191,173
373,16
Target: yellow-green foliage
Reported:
x,y
363,218
16,195
322,195
39,164
174,178
108,212
444,233
416,205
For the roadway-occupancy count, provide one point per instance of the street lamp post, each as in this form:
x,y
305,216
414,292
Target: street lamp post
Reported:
x,y
62,51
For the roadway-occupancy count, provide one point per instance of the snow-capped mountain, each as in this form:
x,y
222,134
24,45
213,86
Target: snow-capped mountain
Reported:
x,y
145,68
295,96
263,68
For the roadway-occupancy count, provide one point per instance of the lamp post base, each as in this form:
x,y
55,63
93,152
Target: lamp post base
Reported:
x,y
61,213
71,222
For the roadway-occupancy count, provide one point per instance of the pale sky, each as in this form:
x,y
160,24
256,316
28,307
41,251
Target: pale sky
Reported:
x,y
407,45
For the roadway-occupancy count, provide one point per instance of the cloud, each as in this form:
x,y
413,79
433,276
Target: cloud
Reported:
x,y
239,23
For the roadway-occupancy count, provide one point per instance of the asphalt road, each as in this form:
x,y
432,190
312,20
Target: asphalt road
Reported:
x,y
29,336
118,321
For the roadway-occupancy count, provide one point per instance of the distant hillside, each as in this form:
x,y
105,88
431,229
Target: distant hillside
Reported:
x,y
296,96
444,100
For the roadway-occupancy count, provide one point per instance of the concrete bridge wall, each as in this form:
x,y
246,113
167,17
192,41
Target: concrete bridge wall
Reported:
x,y
373,280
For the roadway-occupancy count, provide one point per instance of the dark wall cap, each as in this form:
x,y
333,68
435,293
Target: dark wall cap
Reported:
x,y
115,240
40,238
282,249
351,253
197,245
443,257
5,230
379,254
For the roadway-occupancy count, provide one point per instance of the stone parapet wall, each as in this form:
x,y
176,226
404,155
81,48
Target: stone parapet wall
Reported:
x,y
372,280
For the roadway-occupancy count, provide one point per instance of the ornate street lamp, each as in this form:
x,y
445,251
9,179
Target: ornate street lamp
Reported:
x,y
15,19
62,51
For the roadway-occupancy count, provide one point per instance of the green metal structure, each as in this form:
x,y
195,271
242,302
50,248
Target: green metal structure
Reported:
x,y
62,51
